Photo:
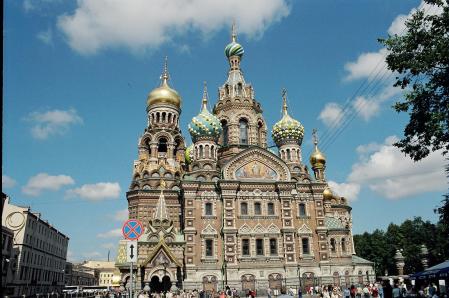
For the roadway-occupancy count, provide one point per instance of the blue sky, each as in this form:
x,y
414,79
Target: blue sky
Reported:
x,y
76,77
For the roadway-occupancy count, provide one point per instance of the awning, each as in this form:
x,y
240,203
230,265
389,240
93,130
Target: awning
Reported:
x,y
438,271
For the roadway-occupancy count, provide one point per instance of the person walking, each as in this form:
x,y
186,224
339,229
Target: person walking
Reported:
x,y
299,292
284,293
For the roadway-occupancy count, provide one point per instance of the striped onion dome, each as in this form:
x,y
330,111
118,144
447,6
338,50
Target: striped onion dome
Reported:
x,y
205,125
234,49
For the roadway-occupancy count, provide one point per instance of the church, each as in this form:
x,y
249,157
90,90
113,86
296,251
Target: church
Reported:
x,y
226,210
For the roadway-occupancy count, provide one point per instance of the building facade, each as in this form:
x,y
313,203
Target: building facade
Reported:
x,y
40,252
226,210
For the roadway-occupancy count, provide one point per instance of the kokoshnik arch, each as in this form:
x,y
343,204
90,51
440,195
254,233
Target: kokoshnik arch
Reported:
x,y
228,211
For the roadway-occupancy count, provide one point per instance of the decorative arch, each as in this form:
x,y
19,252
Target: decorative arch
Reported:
x,y
273,229
245,229
259,229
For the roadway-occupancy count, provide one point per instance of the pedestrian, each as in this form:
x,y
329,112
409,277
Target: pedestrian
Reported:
x,y
396,291
284,293
346,293
269,292
299,292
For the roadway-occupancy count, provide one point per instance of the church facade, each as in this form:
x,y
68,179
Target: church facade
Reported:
x,y
228,211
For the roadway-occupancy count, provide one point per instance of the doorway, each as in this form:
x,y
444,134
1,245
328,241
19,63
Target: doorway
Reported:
x,y
158,286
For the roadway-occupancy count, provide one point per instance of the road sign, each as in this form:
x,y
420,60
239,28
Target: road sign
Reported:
x,y
132,229
131,251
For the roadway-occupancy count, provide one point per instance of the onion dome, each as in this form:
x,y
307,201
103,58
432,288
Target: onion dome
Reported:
x,y
189,154
164,94
234,48
205,125
317,158
287,130
327,194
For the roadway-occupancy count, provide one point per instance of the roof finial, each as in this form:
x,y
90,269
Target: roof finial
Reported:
x,y
284,101
205,96
315,138
165,76
234,32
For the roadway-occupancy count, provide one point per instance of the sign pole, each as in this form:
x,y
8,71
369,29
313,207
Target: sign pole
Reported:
x,y
132,282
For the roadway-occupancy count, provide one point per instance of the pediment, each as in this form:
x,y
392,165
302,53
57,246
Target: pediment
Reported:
x,y
256,164
273,229
259,229
304,229
209,230
245,229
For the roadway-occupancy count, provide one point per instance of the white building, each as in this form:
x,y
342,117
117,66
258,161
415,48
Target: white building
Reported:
x,y
40,249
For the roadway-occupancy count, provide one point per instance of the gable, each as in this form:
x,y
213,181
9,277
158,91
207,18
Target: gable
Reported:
x,y
256,164
304,229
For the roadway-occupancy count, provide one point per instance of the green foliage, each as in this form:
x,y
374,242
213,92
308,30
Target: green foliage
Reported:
x,y
420,57
380,247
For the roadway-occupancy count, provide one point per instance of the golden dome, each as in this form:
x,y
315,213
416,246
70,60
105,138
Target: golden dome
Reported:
x,y
327,194
317,158
164,94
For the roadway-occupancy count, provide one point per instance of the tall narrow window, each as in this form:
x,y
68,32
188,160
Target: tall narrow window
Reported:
x,y
245,247
209,248
259,247
260,133
162,145
343,245
333,246
273,247
243,127
244,208
257,208
289,155
208,209
224,126
270,207
305,246
302,209
201,151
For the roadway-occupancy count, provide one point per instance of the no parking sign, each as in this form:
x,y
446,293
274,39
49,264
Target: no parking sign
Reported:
x,y
132,229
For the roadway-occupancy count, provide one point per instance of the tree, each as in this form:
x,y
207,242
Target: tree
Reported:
x,y
421,58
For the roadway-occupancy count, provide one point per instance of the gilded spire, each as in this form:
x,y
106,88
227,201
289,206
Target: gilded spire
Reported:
x,y
284,102
165,76
315,138
161,207
205,96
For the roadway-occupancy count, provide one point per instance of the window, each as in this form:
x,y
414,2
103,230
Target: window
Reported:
x,y
257,209
333,248
209,248
162,146
270,207
224,126
289,156
243,127
208,209
259,247
260,133
245,247
302,209
305,246
244,208
273,247
343,245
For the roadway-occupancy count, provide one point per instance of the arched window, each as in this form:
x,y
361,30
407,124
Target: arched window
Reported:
x,y
302,209
333,246
273,247
289,155
163,116
158,117
243,127
257,208
206,149
343,245
208,209
224,126
270,209
239,89
162,145
259,133
201,151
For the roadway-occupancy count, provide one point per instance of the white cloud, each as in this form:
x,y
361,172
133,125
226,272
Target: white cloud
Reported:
x,y
393,175
54,122
92,254
8,182
331,115
146,24
366,108
46,36
43,181
96,192
121,215
115,233
348,190
367,66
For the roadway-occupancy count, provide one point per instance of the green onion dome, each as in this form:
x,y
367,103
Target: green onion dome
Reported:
x,y
234,49
205,125
189,154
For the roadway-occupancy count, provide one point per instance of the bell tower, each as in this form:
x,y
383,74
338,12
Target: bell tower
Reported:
x,y
239,113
